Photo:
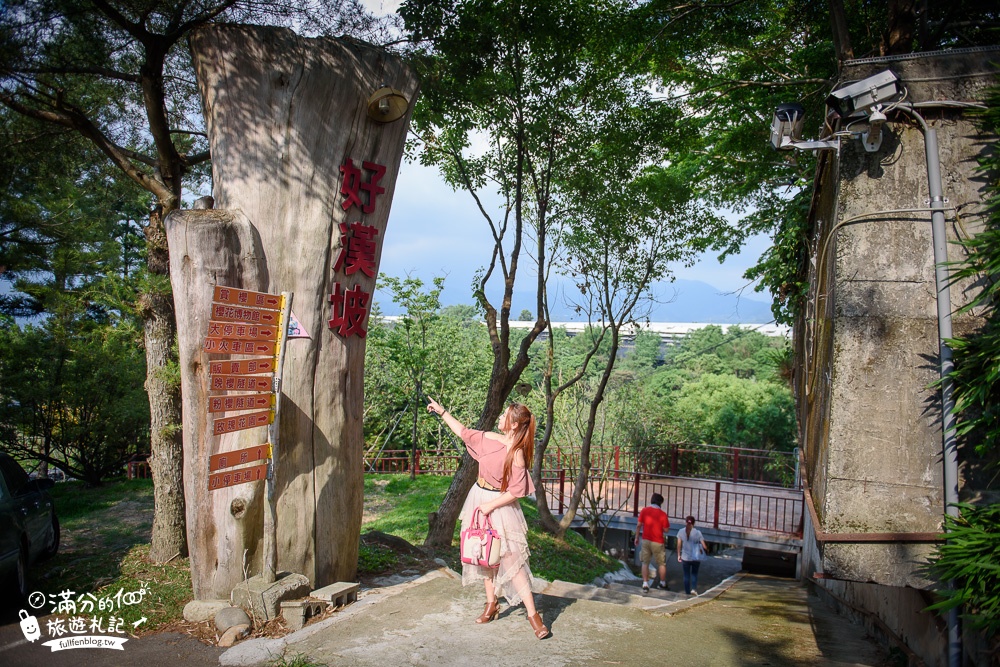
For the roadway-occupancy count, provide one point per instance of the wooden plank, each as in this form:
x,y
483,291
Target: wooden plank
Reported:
x,y
240,402
221,480
240,367
239,457
242,331
231,346
241,422
242,297
224,312
240,383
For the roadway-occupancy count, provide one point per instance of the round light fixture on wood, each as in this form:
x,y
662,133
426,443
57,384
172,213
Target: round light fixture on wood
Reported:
x,y
387,104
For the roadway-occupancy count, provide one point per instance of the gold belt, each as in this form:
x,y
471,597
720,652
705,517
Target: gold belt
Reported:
x,y
483,484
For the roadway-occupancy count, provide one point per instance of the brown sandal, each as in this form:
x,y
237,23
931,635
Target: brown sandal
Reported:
x,y
490,612
536,624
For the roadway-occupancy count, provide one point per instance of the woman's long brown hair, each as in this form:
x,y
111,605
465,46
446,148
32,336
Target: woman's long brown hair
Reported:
x,y
524,440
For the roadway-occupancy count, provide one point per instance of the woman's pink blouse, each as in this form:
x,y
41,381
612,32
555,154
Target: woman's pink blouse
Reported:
x,y
491,454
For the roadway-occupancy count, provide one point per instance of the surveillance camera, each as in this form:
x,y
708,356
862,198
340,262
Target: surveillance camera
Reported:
x,y
786,127
862,95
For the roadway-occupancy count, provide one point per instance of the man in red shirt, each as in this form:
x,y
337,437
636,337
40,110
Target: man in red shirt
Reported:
x,y
653,526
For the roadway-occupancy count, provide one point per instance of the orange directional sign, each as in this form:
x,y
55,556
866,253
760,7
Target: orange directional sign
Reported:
x,y
239,457
227,313
221,480
241,422
232,346
241,367
241,331
242,297
240,383
239,402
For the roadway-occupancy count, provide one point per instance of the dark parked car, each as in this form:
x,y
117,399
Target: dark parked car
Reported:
x,y
29,529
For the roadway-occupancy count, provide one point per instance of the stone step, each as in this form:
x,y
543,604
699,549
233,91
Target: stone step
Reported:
x,y
338,594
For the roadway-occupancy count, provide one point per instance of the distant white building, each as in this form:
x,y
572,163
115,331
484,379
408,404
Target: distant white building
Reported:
x,y
670,333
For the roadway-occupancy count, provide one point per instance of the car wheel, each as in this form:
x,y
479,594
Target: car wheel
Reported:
x,y
19,578
53,547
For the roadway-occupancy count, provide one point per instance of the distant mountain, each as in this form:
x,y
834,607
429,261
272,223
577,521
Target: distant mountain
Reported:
x,y
680,301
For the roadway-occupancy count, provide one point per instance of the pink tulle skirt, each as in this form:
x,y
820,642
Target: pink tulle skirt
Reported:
x,y
509,522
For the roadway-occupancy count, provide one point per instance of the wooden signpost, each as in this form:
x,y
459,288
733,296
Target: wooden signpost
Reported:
x,y
250,324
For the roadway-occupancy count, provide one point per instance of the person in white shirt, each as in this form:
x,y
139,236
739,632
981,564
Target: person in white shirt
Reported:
x,y
691,550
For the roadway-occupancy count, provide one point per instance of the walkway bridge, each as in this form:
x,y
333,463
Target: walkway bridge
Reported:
x,y
739,513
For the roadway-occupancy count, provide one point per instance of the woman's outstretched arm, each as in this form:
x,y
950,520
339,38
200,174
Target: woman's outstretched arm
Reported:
x,y
452,423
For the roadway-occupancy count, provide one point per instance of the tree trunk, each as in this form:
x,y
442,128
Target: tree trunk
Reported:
x,y
838,28
166,457
284,114
210,248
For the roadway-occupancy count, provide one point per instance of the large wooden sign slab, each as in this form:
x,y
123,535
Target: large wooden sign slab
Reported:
x,y
290,158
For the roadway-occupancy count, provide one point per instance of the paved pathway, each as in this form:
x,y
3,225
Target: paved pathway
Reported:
x,y
750,620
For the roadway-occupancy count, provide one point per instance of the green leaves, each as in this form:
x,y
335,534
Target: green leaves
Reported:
x,y
971,558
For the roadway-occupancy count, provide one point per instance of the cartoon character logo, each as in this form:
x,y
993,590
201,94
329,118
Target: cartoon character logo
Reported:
x,y
29,626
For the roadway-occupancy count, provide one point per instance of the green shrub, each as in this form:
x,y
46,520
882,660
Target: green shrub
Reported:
x,y
971,558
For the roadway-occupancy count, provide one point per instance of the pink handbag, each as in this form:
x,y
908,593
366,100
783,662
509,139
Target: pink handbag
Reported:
x,y
480,543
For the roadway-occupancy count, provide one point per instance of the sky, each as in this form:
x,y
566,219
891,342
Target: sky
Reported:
x,y
434,231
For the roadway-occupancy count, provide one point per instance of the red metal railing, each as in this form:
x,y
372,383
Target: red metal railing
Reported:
x,y
395,461
740,464
722,505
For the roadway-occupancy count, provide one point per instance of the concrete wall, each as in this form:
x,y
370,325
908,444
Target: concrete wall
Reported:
x,y
868,342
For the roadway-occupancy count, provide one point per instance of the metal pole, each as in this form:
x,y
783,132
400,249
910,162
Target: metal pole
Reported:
x,y
947,365
270,523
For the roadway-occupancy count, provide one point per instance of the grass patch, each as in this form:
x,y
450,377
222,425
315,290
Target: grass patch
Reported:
x,y
297,660
104,549
404,504
167,589
98,526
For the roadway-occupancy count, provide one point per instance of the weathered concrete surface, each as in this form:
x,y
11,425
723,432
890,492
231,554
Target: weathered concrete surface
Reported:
x,y
758,621
867,343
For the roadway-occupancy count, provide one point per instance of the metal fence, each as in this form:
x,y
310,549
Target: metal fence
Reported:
x,y
720,504
738,464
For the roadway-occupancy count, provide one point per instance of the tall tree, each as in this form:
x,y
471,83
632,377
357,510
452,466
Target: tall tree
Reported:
x,y
530,83
118,74
68,243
